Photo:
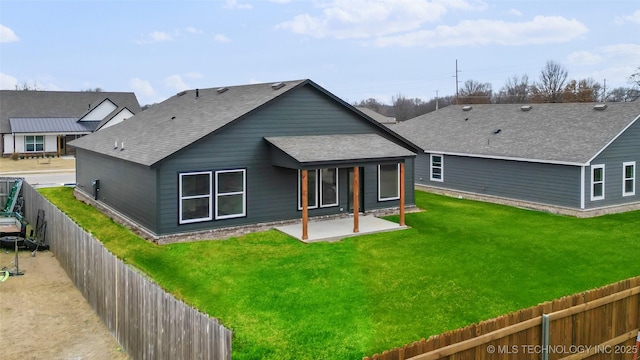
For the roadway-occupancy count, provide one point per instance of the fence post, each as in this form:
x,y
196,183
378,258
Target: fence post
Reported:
x,y
545,337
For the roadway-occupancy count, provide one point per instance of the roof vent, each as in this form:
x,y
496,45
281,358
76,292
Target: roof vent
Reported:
x,y
599,107
221,90
182,93
526,107
197,93
467,108
497,131
278,85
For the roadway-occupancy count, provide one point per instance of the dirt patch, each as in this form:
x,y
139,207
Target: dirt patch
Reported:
x,y
37,164
43,315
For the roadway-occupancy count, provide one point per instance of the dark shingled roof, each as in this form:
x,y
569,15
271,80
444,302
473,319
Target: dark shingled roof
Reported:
x,y
179,121
337,148
58,104
567,133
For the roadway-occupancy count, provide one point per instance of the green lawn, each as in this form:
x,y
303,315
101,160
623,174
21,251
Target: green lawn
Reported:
x,y
461,262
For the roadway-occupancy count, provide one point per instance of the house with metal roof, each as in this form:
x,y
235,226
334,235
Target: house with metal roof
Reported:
x,y
43,122
574,158
213,162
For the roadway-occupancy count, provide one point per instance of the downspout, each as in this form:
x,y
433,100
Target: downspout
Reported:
x,y
582,187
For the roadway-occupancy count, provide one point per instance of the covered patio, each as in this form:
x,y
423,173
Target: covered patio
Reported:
x,y
308,153
337,229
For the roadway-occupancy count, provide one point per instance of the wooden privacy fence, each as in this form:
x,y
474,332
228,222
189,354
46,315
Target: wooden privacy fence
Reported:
x,y
147,322
596,324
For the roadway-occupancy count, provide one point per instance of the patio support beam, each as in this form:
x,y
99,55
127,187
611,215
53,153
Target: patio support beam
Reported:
x,y
305,205
356,204
401,194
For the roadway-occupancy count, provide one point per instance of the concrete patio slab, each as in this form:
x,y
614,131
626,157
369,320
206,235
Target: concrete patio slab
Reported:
x,y
336,229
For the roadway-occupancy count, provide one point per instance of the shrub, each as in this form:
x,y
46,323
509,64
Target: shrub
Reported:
x,y
15,156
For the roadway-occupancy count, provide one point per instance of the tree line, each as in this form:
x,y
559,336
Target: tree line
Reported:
x,y
552,86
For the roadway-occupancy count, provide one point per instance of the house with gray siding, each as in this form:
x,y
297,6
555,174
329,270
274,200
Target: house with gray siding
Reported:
x,y
219,160
43,122
574,158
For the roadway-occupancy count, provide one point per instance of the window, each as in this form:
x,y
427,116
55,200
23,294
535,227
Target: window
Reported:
x,y
629,178
322,188
437,173
195,197
33,143
597,182
231,193
328,187
388,182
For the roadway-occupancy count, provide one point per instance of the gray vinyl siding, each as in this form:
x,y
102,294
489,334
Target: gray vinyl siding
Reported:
x,y
271,192
542,183
625,148
135,197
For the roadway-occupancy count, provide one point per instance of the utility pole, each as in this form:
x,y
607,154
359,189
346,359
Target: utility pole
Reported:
x,y
604,91
436,100
457,71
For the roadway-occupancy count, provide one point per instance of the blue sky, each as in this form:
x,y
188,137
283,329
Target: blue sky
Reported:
x,y
356,49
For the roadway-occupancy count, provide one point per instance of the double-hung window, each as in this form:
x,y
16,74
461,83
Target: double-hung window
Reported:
x,y
322,188
388,182
195,197
34,143
597,182
629,178
437,167
231,195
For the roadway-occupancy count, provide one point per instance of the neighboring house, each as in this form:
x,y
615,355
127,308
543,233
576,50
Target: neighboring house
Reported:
x,y
382,119
232,157
578,159
42,122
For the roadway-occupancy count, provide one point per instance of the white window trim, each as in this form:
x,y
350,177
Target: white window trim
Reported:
x,y
321,192
34,143
593,168
624,178
243,192
318,189
379,181
210,196
431,167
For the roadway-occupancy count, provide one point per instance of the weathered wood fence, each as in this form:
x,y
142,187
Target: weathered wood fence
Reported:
x,y
147,322
596,324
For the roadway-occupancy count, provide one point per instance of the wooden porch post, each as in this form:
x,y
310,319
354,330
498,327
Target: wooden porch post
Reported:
x,y
305,205
402,194
356,204
58,144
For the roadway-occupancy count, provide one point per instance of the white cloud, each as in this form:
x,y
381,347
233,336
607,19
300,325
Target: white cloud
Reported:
x,y
343,19
7,82
584,58
144,91
7,35
221,38
280,1
514,12
194,75
175,82
633,18
165,36
540,30
617,63
234,4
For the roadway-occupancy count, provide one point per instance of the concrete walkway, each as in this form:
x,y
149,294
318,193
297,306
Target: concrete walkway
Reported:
x,y
336,229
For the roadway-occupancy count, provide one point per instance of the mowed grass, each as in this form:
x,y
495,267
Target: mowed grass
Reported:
x,y
461,262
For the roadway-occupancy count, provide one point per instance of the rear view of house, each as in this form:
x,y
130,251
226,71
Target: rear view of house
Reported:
x,y
236,157
578,158
43,122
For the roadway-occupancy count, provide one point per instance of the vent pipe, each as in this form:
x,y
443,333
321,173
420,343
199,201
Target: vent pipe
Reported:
x,y
197,93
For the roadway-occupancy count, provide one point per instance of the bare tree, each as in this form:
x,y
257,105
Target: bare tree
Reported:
x,y
516,90
97,89
623,94
551,84
475,92
634,79
28,87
